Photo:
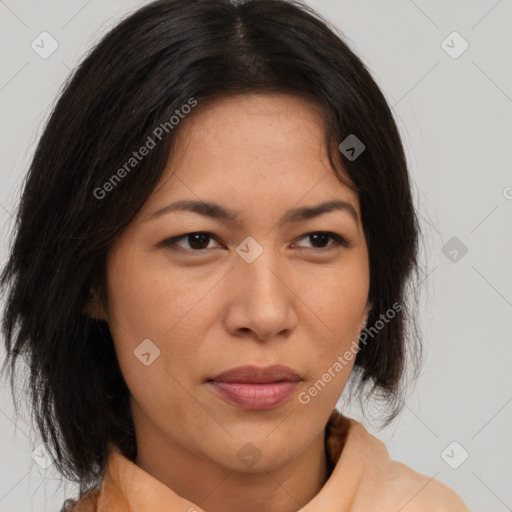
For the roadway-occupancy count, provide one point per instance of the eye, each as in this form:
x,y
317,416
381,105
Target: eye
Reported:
x,y
198,241
320,240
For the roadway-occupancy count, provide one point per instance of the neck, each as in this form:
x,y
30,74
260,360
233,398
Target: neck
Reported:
x,y
215,489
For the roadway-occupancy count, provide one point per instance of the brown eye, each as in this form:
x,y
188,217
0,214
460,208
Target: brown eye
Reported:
x,y
191,241
320,240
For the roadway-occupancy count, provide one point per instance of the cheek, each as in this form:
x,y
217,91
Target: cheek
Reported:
x,y
339,303
338,298
149,313
148,302
144,296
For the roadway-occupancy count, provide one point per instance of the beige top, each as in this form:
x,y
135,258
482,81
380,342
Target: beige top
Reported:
x,y
364,479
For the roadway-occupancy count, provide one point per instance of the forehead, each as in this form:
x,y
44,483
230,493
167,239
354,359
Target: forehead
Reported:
x,y
230,126
263,148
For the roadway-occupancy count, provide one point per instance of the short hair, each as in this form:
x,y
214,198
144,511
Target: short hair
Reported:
x,y
151,64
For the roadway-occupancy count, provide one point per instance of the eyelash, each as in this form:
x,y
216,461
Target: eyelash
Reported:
x,y
339,241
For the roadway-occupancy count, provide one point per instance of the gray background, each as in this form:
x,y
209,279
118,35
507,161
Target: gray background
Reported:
x,y
455,119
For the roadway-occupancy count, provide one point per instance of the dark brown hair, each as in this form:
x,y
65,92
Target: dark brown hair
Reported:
x,y
134,80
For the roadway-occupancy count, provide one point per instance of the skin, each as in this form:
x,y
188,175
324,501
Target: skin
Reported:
x,y
301,303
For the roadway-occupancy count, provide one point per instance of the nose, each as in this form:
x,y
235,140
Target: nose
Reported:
x,y
262,300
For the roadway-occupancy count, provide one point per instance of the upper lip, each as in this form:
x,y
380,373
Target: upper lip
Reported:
x,y
260,375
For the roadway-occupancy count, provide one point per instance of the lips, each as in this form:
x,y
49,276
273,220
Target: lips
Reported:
x,y
257,375
255,388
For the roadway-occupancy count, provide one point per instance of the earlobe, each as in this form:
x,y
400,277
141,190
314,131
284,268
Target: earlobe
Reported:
x,y
365,316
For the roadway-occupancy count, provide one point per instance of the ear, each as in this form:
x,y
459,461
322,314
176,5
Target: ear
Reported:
x,y
94,307
365,315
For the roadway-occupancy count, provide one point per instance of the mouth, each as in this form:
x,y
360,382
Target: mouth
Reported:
x,y
255,388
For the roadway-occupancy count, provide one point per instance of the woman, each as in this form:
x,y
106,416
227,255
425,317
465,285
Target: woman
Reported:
x,y
216,232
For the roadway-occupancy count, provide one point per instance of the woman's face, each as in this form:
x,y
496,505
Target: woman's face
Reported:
x,y
256,287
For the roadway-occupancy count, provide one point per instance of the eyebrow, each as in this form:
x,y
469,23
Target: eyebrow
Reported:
x,y
216,211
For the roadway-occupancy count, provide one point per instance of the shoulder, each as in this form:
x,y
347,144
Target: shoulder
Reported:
x,y
396,486
421,493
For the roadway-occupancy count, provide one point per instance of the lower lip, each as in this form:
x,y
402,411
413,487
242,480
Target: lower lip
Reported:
x,y
255,396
